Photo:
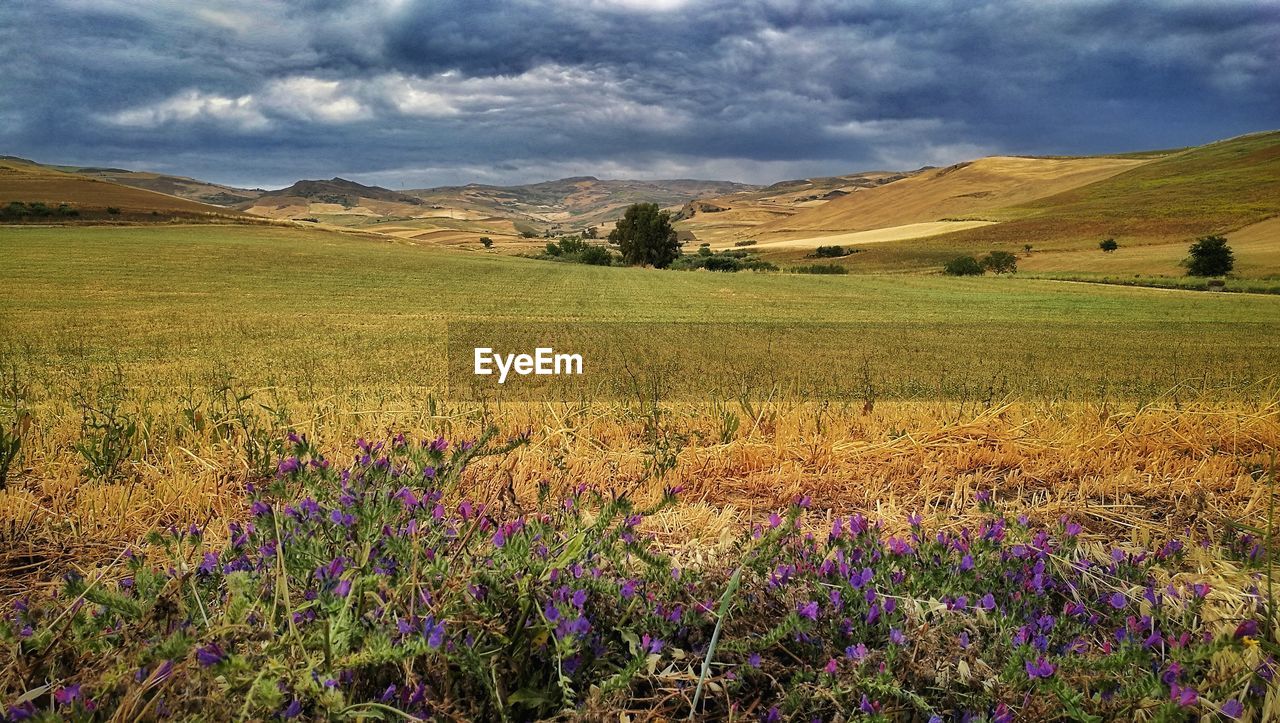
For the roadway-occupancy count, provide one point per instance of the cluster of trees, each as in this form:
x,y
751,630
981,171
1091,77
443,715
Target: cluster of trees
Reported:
x,y
728,260
37,209
573,249
831,252
999,262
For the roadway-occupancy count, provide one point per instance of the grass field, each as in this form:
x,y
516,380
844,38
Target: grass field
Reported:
x,y
152,372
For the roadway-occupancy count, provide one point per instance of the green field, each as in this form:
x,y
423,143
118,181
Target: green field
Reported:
x,y
323,312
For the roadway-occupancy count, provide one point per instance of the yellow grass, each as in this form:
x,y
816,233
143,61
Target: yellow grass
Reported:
x,y
969,190
1256,248
1144,473
880,235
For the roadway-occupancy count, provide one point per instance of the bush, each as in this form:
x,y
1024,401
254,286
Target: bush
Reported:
x,y
963,266
1210,256
113,211
646,237
748,242
596,256
1108,245
829,252
553,249
486,242
730,261
820,269
1000,262
374,589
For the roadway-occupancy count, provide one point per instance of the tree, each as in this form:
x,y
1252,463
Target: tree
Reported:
x,y
1027,248
589,232
1000,262
645,236
1108,245
963,266
486,242
1210,256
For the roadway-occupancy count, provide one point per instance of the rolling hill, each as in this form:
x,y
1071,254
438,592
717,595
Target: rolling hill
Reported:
x,y
1215,188
720,218
189,188
25,182
970,191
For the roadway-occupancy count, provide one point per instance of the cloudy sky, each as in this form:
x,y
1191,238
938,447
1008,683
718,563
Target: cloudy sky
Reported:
x,y
412,93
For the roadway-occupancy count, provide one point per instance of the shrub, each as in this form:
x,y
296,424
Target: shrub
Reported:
x,y
595,255
553,249
645,236
829,252
1210,256
570,245
486,242
1000,262
748,242
1108,245
820,269
963,266
113,211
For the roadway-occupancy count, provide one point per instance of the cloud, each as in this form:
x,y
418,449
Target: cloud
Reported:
x,y
266,91
193,106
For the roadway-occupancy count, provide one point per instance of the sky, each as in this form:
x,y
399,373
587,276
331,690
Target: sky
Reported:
x,y
418,93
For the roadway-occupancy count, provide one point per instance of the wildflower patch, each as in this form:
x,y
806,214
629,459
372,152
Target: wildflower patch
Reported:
x,y
372,589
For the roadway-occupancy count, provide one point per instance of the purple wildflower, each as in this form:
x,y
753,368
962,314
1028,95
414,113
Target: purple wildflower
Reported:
x,y
67,694
433,632
808,610
1247,629
1184,696
1233,709
210,655
1040,669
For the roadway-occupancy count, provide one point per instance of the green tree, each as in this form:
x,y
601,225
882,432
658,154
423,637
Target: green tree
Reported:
x,y
645,236
963,266
1108,245
1000,262
589,232
1210,256
486,242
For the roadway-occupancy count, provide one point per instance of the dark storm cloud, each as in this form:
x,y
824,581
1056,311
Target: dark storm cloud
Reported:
x,y
407,92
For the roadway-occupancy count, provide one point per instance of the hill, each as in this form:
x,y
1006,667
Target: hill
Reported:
x,y
971,191
90,198
1215,188
719,218
574,202
1154,204
214,194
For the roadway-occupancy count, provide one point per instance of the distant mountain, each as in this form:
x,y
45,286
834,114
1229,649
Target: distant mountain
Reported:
x,y
574,202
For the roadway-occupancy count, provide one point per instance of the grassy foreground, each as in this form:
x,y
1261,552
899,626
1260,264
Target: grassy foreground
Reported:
x,y
360,593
